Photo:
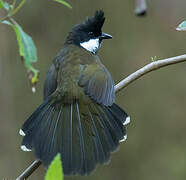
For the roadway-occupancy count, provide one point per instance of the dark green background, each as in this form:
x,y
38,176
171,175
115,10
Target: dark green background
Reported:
x,y
156,144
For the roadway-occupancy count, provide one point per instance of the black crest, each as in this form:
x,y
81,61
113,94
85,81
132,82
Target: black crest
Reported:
x,y
93,24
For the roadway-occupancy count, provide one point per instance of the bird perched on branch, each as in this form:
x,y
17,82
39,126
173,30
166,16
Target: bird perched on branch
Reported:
x,y
78,117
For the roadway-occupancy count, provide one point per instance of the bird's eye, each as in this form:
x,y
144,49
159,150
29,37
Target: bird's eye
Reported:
x,y
90,33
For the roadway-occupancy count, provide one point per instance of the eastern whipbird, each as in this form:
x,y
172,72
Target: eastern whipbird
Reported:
x,y
78,117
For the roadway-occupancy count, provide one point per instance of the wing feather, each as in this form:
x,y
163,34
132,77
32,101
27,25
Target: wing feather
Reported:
x,y
97,83
50,82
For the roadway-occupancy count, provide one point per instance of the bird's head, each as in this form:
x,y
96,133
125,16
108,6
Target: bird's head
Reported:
x,y
88,34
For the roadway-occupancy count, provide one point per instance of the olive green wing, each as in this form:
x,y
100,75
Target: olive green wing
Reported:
x,y
97,84
50,84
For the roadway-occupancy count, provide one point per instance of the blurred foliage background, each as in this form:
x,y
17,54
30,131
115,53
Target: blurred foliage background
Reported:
x,y
156,144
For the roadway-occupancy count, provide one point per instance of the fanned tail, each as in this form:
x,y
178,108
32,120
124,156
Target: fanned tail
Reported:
x,y
85,135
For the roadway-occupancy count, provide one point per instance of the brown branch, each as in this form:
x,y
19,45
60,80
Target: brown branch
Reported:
x,y
122,84
141,7
29,170
148,68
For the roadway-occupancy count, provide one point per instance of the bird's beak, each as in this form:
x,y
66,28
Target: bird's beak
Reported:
x,y
105,36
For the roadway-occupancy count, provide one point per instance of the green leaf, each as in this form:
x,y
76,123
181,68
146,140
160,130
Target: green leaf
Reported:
x,y
26,45
54,171
64,3
7,6
7,22
27,49
1,4
181,26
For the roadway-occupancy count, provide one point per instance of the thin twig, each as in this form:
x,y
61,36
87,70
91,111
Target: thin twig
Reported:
x,y
29,170
141,7
122,84
14,4
148,68
18,7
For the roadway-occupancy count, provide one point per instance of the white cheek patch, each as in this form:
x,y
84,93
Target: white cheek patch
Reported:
x,y
92,45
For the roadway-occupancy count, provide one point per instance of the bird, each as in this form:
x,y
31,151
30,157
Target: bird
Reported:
x,y
78,117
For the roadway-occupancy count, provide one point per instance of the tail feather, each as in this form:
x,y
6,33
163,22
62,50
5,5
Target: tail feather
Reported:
x,y
77,155
66,139
71,150
109,132
42,138
34,118
118,113
82,143
31,126
116,124
85,135
104,143
102,134
100,156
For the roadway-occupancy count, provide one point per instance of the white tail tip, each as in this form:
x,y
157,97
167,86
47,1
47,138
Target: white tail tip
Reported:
x,y
124,139
21,132
127,121
33,89
24,148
